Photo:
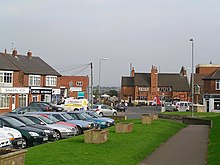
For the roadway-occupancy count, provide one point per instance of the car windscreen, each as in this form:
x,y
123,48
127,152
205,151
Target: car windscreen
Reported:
x,y
14,122
95,106
81,116
46,120
16,109
93,114
26,121
67,116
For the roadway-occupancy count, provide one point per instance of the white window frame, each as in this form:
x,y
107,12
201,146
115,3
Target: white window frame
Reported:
x,y
3,78
79,83
34,80
4,101
217,84
51,81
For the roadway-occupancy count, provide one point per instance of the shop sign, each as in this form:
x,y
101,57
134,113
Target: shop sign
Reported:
x,y
41,91
75,89
14,90
55,91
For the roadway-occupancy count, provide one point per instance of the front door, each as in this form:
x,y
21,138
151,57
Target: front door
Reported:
x,y
13,102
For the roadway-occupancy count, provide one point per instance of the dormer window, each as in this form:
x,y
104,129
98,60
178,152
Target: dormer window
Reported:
x,y
34,80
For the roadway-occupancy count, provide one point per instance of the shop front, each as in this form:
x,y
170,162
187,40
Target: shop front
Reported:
x,y
212,102
13,97
40,94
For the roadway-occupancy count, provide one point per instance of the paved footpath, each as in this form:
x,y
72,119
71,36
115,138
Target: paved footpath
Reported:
x,y
187,147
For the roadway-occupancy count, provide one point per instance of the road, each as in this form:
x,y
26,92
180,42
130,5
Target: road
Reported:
x,y
136,112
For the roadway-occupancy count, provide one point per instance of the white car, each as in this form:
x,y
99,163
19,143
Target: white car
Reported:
x,y
13,135
5,143
183,106
104,110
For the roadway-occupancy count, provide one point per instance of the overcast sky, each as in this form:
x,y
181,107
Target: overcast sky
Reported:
x,y
70,34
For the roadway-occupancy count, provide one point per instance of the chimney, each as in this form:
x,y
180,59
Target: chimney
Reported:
x,y
5,51
132,72
14,53
154,80
29,54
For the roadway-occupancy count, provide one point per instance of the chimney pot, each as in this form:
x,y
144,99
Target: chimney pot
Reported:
x,y
14,52
29,54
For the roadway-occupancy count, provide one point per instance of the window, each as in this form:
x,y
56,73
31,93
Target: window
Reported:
x,y
6,77
79,83
22,100
51,80
34,80
4,101
217,84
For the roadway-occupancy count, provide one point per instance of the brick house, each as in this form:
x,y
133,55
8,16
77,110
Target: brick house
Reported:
x,y
74,86
26,78
143,87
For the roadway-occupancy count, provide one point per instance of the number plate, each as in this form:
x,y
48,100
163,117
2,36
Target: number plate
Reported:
x,y
19,142
45,139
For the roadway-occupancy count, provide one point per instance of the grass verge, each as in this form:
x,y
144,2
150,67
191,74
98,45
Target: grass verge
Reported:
x,y
123,149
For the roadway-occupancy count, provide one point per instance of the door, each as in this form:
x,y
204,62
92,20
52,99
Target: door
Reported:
x,y
13,102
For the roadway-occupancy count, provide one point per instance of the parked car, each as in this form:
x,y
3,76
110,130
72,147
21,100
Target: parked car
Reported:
x,y
81,115
63,116
109,121
183,106
22,110
104,110
61,131
31,136
47,106
120,107
49,132
5,143
14,136
169,107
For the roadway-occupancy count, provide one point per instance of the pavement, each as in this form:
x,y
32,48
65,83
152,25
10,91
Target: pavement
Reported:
x,y
187,147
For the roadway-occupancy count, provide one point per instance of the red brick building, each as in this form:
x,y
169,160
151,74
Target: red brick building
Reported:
x,y
74,86
143,87
207,77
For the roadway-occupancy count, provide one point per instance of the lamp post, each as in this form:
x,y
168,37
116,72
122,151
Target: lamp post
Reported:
x,y
100,76
192,42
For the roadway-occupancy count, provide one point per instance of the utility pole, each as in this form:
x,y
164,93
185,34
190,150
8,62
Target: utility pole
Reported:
x,y
91,85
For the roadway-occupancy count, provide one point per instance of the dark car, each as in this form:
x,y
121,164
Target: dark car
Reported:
x,y
31,136
22,110
46,106
50,132
120,107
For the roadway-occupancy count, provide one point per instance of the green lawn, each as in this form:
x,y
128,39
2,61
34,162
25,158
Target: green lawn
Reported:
x,y
122,149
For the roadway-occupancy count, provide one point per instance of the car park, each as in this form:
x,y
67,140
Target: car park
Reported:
x,y
47,106
48,131
61,131
22,110
30,136
14,136
109,121
104,110
81,115
63,116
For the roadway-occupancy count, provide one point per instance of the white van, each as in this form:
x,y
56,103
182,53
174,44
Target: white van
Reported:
x,y
183,106
71,104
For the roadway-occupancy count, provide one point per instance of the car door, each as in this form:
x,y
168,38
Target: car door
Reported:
x,y
108,111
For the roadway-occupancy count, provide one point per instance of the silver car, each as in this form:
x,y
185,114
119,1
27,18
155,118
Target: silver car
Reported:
x,y
61,131
104,110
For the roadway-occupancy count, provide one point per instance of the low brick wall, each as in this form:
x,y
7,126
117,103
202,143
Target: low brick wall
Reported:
x,y
118,118
172,117
196,121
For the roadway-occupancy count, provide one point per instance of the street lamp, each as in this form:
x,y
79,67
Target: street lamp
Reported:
x,y
192,42
100,76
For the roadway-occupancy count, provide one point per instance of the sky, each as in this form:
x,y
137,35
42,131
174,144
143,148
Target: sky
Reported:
x,y
71,34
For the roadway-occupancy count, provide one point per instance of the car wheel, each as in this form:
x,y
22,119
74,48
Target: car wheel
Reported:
x,y
58,135
101,114
80,131
24,143
114,114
